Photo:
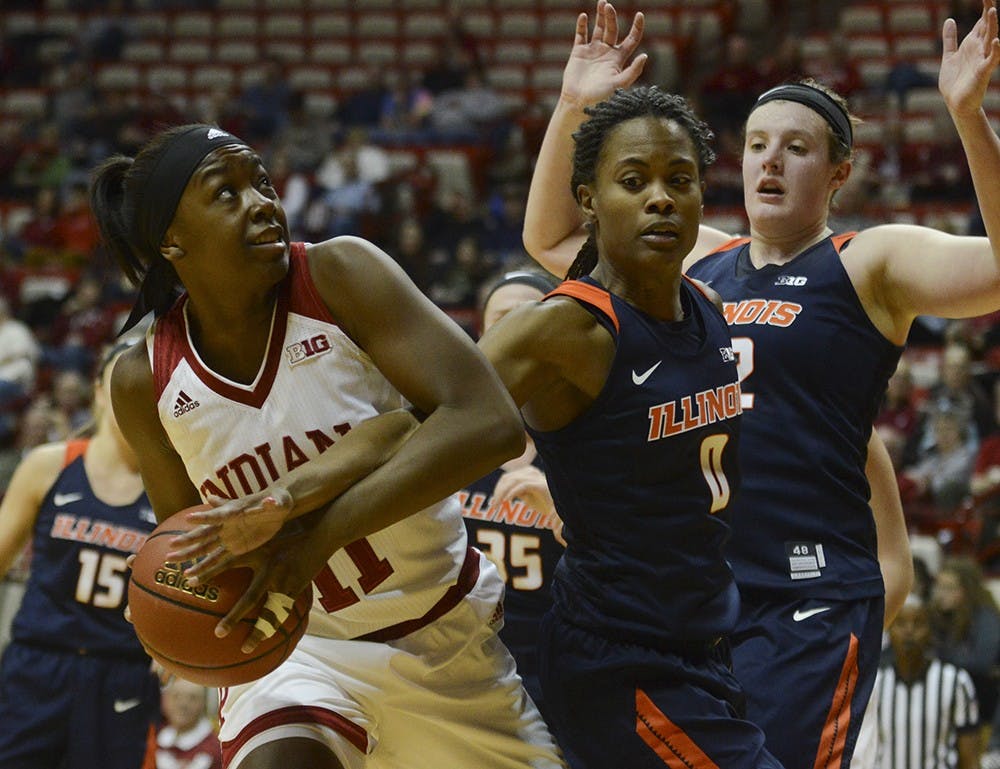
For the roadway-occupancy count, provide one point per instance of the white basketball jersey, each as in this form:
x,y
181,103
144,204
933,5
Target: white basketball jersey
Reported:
x,y
314,385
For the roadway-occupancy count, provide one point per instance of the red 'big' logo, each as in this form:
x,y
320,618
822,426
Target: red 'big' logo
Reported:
x,y
300,352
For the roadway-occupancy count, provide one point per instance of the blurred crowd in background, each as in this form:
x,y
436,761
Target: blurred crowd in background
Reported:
x,y
432,163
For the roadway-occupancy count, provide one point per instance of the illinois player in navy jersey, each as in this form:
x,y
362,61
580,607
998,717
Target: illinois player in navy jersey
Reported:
x,y
275,378
509,513
818,321
76,689
627,382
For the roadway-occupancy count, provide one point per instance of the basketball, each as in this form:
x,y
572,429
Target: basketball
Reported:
x,y
176,622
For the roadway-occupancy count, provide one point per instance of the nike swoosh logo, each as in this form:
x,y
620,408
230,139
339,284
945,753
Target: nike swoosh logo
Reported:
x,y
801,615
640,378
122,705
65,499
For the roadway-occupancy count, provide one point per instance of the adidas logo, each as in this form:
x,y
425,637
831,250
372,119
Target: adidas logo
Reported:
x,y
215,133
184,404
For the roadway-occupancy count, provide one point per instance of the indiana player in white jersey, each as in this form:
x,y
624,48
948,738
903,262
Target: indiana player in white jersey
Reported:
x,y
281,392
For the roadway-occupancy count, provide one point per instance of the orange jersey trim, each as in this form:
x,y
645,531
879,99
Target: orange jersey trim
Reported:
x,y
590,294
75,448
837,240
667,739
831,743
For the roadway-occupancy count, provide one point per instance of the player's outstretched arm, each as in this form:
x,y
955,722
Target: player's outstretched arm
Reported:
x,y
894,555
471,424
919,270
553,227
27,488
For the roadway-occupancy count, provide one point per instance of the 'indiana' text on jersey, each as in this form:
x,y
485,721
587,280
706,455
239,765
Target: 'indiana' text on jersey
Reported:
x,y
812,370
314,383
643,478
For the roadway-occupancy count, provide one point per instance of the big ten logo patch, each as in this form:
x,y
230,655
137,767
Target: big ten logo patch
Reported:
x,y
307,349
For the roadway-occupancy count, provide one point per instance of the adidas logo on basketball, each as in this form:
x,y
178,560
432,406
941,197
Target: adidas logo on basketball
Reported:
x,y
184,404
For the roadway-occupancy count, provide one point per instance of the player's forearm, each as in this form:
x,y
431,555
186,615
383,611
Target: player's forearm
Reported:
x,y
354,456
894,556
551,215
982,148
451,448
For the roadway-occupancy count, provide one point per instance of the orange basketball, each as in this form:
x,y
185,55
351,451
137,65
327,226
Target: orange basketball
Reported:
x,y
176,622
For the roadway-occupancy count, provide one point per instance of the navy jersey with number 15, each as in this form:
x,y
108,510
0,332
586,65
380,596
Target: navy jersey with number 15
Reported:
x,y
643,478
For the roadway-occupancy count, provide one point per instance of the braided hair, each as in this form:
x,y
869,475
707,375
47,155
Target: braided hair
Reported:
x,y
624,105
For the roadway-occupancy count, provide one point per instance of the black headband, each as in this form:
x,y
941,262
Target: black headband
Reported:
x,y
526,277
169,177
155,210
819,102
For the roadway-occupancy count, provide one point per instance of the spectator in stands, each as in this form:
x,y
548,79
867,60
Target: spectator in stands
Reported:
x,y
306,138
71,398
730,90
75,229
19,354
471,111
957,390
405,108
187,739
784,65
43,163
362,106
83,326
349,203
293,185
38,238
832,65
966,625
457,281
450,67
266,103
369,162
985,487
942,476
927,708
504,223
898,417
414,254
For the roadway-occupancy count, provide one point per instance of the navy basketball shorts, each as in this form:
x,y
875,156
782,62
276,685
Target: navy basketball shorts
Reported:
x,y
58,708
616,704
808,668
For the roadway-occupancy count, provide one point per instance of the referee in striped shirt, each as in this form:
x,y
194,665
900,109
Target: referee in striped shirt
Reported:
x,y
927,712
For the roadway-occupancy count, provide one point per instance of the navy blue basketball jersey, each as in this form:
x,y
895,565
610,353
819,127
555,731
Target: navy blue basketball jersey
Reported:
x,y
521,542
643,478
813,369
76,590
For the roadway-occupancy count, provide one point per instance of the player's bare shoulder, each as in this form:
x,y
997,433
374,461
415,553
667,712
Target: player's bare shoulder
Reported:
x,y
132,375
710,293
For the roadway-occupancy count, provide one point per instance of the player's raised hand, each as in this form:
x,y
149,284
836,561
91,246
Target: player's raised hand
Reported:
x,y
600,64
232,527
966,68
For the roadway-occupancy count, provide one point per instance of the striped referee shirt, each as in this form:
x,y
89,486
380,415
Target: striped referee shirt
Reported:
x,y
919,722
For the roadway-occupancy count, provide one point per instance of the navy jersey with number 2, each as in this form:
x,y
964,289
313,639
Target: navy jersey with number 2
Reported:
x,y
813,369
